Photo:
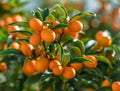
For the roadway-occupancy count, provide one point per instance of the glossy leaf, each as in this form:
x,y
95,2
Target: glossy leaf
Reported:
x,y
45,13
80,45
31,80
104,59
66,39
65,59
59,12
21,24
60,26
79,60
24,32
10,51
38,15
83,15
74,51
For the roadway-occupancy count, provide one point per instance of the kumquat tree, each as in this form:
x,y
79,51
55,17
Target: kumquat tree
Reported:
x,y
52,52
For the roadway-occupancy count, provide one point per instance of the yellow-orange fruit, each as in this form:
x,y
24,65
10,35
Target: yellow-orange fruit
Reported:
x,y
29,68
105,41
57,70
42,64
53,63
93,62
17,18
2,23
75,26
76,66
106,83
35,39
36,24
73,34
48,35
12,28
116,86
98,35
69,72
15,45
8,20
26,49
3,67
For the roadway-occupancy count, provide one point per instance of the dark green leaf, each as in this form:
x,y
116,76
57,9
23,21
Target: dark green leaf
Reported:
x,y
104,59
38,15
60,26
79,60
10,51
104,89
21,24
80,45
66,39
45,13
115,76
22,40
24,32
31,80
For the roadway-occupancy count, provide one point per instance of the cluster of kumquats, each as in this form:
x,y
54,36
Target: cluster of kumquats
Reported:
x,y
44,49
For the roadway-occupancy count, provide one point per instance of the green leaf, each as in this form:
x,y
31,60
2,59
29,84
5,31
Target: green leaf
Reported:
x,y
38,15
59,13
79,60
66,39
21,24
80,45
60,26
65,59
104,89
45,13
104,59
115,76
83,15
22,40
51,17
31,80
75,50
10,51
24,32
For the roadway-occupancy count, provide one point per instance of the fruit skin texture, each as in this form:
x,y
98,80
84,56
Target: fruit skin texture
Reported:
x,y
42,64
57,70
98,35
103,40
75,26
76,66
35,39
93,60
15,45
12,28
53,63
25,48
73,34
106,83
69,72
3,67
29,68
36,24
116,86
48,35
